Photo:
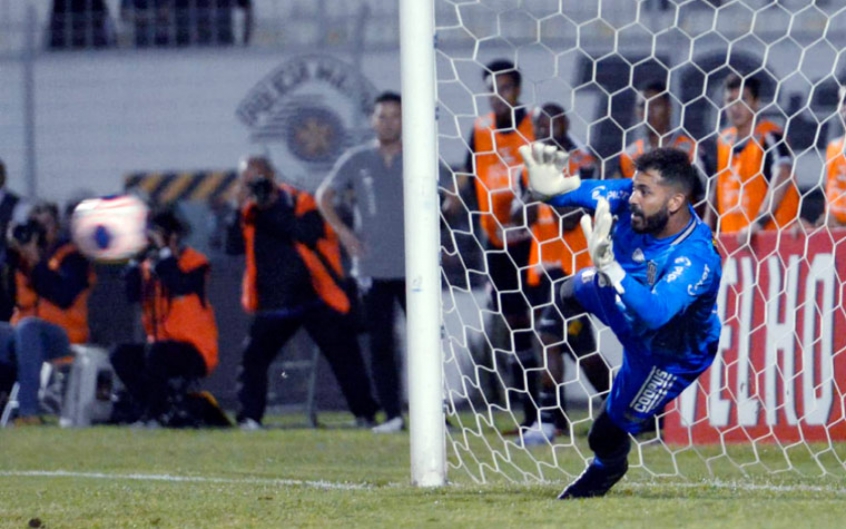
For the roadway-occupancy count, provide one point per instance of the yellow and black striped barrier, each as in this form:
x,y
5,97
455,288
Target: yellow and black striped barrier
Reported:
x,y
164,188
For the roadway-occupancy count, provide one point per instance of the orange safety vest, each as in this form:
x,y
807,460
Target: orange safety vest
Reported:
x,y
553,248
74,319
835,183
742,186
638,148
324,279
187,318
498,169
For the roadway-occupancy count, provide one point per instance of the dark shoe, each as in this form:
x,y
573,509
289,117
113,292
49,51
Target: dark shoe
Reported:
x,y
595,481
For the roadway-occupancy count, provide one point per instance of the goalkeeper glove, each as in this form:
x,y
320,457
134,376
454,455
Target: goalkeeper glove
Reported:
x,y
600,246
546,165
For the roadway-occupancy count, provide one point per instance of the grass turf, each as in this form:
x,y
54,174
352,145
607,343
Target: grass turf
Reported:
x,y
343,477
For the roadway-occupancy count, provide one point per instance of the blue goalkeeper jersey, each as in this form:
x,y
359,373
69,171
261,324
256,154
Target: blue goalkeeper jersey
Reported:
x,y
671,284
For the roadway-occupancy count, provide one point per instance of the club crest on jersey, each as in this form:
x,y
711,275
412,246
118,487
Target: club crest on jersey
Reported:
x,y
651,272
637,256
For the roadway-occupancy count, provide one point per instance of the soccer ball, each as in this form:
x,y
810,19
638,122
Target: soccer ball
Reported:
x,y
110,229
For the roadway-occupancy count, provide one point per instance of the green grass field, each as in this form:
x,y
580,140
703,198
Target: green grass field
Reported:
x,y
342,477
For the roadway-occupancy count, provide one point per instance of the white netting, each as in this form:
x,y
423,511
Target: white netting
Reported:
x,y
774,399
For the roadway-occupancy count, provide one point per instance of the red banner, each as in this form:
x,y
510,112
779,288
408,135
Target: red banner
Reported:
x,y
781,371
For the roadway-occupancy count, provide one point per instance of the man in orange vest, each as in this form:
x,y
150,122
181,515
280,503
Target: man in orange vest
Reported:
x,y
755,188
293,279
835,181
655,111
171,284
495,164
558,250
53,281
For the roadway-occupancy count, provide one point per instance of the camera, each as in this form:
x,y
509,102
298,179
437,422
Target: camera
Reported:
x,y
23,234
261,190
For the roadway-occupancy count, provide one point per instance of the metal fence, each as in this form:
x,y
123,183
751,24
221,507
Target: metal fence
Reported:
x,y
373,24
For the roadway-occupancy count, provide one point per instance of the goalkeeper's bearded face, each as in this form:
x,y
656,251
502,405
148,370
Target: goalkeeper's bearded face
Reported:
x,y
649,203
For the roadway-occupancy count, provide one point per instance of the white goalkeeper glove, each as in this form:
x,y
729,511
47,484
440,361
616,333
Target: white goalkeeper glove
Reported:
x,y
546,165
600,246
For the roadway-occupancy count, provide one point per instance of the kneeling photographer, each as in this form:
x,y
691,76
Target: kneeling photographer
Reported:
x,y
52,284
170,281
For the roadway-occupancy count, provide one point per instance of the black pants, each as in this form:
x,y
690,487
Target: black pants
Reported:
x,y
334,335
380,311
146,369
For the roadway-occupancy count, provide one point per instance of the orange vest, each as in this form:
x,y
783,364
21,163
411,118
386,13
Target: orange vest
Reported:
x,y
498,168
553,248
188,318
742,186
835,183
641,146
323,279
74,319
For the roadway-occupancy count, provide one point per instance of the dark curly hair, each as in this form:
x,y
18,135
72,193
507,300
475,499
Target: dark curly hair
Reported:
x,y
675,168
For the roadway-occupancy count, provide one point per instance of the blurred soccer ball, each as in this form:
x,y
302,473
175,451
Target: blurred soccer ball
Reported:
x,y
111,228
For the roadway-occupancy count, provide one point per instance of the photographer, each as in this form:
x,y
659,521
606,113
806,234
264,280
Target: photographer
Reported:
x,y
291,281
53,281
170,283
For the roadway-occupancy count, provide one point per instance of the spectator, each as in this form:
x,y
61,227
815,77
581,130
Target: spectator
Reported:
x,y
373,175
163,23
292,280
558,250
755,189
171,284
80,24
655,110
53,282
150,20
494,161
13,210
210,22
834,214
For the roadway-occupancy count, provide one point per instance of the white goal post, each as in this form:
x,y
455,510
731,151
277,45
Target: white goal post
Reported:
x,y
422,214
773,400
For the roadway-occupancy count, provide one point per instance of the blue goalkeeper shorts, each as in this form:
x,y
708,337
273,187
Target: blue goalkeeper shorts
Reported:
x,y
645,383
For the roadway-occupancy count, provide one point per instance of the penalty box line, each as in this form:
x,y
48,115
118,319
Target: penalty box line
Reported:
x,y
326,485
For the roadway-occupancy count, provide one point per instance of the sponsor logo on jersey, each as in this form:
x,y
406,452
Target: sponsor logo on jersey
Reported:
x,y
691,289
674,274
653,391
637,256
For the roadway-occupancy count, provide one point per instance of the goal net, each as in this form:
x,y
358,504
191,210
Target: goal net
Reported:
x,y
773,401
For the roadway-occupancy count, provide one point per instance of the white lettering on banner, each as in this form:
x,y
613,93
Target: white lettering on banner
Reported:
x,y
821,275
747,407
781,336
780,369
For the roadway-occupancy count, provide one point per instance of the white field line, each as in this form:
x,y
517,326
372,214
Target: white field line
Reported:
x,y
735,485
184,479
328,485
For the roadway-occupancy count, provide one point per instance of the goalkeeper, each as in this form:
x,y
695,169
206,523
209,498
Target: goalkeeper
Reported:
x,y
654,282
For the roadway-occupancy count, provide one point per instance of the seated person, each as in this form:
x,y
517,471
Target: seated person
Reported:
x,y
170,283
52,281
80,24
